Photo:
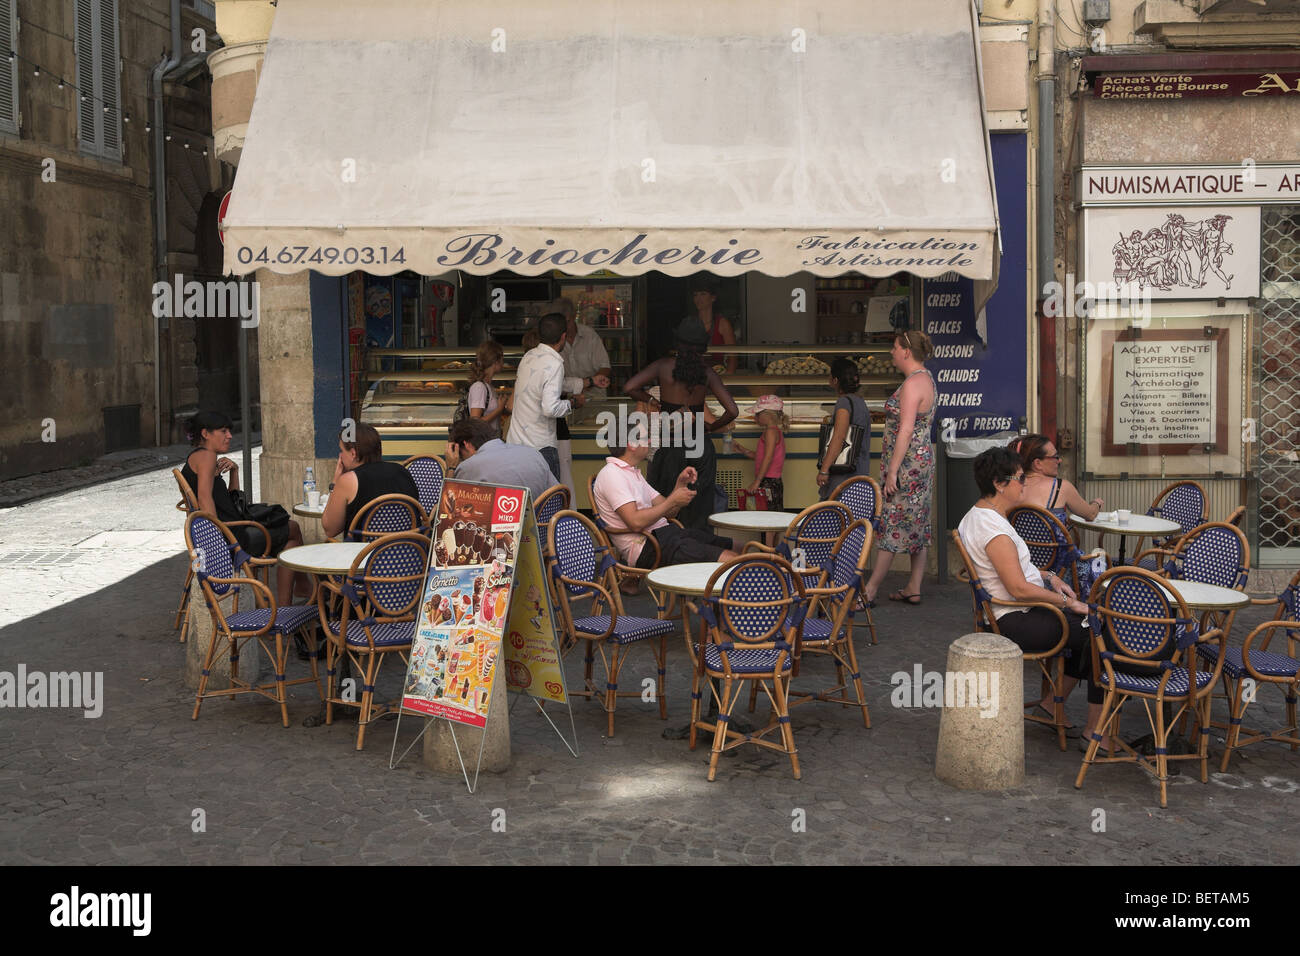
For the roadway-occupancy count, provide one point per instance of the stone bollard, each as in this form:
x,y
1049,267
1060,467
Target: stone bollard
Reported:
x,y
251,658
982,728
440,751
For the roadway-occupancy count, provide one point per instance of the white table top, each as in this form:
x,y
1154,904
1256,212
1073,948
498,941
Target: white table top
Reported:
x,y
304,510
752,520
683,578
1137,525
332,557
1208,597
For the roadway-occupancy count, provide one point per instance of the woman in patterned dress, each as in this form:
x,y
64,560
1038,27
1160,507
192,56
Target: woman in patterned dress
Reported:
x,y
907,462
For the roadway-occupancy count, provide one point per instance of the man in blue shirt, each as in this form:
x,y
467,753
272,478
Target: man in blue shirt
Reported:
x,y
478,455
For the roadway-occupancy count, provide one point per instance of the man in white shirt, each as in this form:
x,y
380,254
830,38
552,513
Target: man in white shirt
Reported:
x,y
539,388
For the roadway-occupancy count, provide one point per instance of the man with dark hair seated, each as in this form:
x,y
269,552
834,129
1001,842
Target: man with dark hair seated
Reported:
x,y
539,392
478,455
624,499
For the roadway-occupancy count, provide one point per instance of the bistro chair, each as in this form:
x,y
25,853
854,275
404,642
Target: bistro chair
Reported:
x,y
1254,661
387,514
836,596
1052,547
583,567
189,504
1213,553
429,472
1157,644
807,543
550,503
863,497
1051,662
752,618
379,598
223,568
1184,502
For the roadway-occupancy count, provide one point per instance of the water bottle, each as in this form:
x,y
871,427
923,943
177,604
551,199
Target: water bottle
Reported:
x,y
308,483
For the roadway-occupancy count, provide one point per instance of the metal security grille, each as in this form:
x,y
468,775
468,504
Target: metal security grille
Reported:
x,y
1278,469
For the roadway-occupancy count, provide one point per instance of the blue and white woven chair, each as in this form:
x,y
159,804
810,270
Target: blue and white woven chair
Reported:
x,y
1184,502
582,566
387,514
1213,553
429,472
753,608
836,596
1146,646
379,597
1051,662
1255,662
223,568
1052,547
550,503
862,496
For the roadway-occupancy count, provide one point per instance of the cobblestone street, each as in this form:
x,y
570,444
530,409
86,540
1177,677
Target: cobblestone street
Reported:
x,y
91,582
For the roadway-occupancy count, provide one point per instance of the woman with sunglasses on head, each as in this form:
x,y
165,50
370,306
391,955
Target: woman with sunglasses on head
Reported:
x,y
1044,487
1001,559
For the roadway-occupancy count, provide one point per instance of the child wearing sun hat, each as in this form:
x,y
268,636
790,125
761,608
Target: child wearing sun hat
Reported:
x,y
769,455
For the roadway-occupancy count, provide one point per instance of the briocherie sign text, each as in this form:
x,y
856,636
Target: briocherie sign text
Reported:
x,y
1247,182
1180,86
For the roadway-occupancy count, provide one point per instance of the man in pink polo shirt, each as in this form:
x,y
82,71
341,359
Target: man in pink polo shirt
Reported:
x,y
624,499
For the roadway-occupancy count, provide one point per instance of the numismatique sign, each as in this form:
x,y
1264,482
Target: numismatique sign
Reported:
x,y
1181,86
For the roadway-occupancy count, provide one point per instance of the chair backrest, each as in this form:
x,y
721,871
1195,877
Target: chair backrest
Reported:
x,y
847,569
189,500
387,514
1213,553
1184,502
862,496
429,472
580,552
811,536
1139,618
1050,547
1237,517
550,503
984,618
591,500
1289,601
756,603
386,582
212,550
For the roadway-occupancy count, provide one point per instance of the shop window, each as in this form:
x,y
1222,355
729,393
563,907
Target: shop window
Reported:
x,y
8,67
1278,469
99,116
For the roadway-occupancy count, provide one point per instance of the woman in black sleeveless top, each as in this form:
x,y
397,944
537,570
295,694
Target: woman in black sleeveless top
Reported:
x,y
360,476
209,432
684,381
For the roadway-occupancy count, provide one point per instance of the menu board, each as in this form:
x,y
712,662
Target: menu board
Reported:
x,y
1167,391
467,592
532,651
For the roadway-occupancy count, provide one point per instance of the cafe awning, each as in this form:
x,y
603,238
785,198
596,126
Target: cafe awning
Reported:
x,y
581,135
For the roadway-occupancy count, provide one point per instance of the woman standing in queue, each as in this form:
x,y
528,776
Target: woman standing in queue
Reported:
x,y
482,400
907,466
683,382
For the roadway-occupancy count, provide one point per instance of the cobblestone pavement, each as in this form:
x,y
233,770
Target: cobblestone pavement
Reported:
x,y
125,787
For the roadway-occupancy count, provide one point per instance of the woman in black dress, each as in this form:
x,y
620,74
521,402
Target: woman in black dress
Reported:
x,y
209,433
360,476
683,382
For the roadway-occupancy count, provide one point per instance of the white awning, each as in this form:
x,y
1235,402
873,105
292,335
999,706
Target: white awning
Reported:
x,y
676,135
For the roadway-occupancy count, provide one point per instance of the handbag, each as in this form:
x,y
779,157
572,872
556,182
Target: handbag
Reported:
x,y
267,515
758,501
847,460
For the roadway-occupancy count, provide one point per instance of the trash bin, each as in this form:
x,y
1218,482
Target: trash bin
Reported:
x,y
962,492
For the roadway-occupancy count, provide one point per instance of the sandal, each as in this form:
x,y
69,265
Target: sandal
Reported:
x,y
901,595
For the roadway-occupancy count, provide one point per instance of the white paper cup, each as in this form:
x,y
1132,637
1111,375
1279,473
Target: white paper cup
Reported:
x,y
313,499
1123,515
324,500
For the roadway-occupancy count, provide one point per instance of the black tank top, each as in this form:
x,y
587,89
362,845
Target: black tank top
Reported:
x,y
226,510
378,478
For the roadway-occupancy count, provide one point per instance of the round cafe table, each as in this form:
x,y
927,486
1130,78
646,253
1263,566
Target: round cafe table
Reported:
x,y
751,521
1138,526
333,557
304,510
1207,597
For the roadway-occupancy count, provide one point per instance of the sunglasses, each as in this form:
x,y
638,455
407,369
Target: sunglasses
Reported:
x,y
1056,457
1017,478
